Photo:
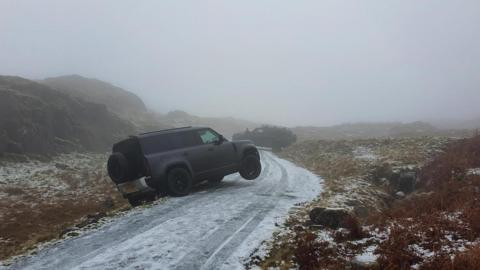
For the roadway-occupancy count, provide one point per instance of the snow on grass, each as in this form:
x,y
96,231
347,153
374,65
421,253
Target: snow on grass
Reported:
x,y
473,171
362,152
47,177
367,256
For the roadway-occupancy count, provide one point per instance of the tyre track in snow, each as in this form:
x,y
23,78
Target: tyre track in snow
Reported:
x,y
200,231
220,244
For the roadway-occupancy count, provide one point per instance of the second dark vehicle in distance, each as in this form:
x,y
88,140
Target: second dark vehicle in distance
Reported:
x,y
173,160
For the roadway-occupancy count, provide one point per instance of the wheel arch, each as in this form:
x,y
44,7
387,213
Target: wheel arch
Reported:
x,y
251,150
178,164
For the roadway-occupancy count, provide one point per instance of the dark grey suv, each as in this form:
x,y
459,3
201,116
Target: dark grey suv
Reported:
x,y
173,160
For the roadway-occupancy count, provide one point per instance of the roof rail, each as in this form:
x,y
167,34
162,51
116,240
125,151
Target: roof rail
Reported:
x,y
164,130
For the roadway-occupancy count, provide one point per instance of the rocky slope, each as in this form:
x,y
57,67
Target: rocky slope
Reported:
x,y
36,119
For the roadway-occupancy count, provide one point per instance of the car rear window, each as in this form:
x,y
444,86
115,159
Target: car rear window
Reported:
x,y
155,144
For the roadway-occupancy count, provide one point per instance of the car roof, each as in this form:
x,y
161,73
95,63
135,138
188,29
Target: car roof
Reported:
x,y
167,131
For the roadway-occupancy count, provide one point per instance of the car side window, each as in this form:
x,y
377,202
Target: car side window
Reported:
x,y
155,144
208,136
188,139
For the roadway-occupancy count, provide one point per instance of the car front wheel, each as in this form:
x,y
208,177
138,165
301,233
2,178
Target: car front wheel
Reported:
x,y
250,167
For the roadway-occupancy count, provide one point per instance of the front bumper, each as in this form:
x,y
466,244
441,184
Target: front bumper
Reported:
x,y
134,187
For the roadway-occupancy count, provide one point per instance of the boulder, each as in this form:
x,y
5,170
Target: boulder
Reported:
x,y
407,181
403,181
329,217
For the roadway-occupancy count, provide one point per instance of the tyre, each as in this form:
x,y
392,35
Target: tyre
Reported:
x,y
179,182
215,180
118,167
251,167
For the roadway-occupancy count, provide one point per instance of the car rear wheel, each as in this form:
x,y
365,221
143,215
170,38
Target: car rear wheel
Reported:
x,y
179,182
118,168
251,167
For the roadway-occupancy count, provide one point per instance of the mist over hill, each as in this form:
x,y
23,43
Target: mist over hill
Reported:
x,y
118,100
73,113
35,118
377,130
225,125
129,106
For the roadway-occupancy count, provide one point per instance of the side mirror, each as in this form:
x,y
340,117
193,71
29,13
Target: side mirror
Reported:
x,y
221,139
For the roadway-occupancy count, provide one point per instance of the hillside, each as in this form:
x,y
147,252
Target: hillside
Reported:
x,y
353,131
37,119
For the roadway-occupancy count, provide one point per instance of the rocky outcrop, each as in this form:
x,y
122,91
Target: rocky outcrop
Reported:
x,y
333,218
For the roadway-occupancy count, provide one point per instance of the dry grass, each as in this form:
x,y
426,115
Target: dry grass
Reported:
x,y
448,211
25,227
437,227
312,254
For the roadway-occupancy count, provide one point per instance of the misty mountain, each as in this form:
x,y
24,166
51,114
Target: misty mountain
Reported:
x,y
130,107
118,100
35,118
123,103
375,130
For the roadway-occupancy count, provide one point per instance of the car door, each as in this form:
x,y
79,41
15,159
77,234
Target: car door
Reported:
x,y
196,152
222,153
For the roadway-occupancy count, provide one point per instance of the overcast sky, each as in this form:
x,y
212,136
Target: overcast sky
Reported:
x,y
282,62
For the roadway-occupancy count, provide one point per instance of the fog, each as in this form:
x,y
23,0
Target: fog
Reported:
x,y
281,62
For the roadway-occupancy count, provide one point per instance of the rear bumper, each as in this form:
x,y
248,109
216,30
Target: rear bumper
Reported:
x,y
134,187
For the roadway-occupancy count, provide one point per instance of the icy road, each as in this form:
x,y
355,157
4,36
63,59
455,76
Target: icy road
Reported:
x,y
213,228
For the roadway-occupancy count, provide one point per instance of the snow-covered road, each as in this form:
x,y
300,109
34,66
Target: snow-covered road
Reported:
x,y
213,228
